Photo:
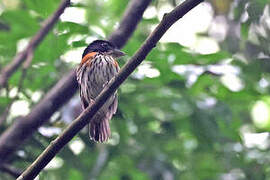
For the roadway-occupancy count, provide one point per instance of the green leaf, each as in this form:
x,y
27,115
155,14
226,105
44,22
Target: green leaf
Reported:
x,y
21,23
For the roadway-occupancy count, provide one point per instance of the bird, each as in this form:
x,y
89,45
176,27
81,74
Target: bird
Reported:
x,y
98,66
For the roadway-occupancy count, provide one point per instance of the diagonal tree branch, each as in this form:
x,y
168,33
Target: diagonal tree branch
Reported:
x,y
168,20
129,22
20,57
25,126
20,130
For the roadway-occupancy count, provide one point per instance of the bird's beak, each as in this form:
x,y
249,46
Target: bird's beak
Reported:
x,y
117,53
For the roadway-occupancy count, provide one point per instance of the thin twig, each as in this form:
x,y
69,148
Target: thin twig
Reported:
x,y
26,65
85,117
5,113
20,57
7,109
64,89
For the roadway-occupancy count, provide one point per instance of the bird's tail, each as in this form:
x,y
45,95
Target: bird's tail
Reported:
x,y
99,129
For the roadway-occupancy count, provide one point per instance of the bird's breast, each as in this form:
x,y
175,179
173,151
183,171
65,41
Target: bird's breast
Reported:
x,y
103,68
98,73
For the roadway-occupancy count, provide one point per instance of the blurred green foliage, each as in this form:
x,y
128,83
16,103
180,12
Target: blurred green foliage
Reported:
x,y
167,126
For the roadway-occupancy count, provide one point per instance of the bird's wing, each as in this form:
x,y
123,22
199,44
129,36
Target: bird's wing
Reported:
x,y
113,106
84,102
79,73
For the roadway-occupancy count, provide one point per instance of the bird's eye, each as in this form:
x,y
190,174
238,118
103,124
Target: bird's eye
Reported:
x,y
105,45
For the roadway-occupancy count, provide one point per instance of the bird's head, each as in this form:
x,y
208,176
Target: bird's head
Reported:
x,y
103,47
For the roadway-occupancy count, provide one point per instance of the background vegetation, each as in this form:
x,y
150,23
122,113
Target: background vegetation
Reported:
x,y
184,114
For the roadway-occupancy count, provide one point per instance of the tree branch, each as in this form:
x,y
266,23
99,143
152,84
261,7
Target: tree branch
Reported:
x,y
20,57
55,146
129,22
20,130
25,126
